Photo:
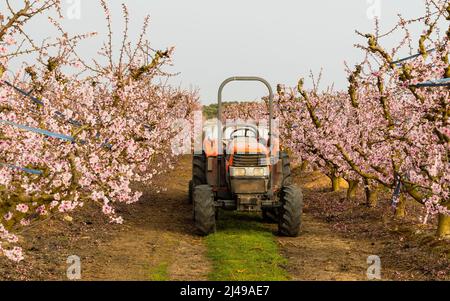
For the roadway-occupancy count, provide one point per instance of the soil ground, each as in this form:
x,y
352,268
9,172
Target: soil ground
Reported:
x,y
158,241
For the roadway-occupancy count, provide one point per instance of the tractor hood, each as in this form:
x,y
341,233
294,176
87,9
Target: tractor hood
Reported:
x,y
243,145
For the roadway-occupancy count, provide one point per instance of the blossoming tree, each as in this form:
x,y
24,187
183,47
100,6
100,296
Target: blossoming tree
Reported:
x,y
70,138
390,128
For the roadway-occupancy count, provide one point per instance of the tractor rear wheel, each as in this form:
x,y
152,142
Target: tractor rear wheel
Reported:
x,y
204,209
199,170
286,162
271,214
290,212
198,174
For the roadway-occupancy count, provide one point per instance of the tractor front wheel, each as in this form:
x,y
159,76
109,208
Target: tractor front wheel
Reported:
x,y
204,209
290,212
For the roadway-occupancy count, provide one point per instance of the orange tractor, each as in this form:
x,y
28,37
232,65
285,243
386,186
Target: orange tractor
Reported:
x,y
240,168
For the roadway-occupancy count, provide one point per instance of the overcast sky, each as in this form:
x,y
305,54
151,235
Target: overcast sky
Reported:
x,y
279,40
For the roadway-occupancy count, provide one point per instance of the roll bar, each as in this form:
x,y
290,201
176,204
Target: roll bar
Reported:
x,y
219,109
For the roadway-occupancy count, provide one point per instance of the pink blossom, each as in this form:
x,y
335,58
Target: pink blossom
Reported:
x,y
23,208
9,40
42,210
25,222
54,204
117,220
107,209
8,216
14,254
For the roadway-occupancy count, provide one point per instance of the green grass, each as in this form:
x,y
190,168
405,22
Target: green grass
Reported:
x,y
160,272
243,249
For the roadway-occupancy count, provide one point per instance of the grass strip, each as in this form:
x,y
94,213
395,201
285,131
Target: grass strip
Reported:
x,y
244,249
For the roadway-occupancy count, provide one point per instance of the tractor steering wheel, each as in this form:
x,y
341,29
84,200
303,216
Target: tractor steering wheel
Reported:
x,y
247,130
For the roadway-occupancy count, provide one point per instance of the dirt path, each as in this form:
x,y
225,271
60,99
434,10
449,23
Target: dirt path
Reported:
x,y
319,254
157,241
339,235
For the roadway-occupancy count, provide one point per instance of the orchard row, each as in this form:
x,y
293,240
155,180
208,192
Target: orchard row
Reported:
x,y
81,136
389,130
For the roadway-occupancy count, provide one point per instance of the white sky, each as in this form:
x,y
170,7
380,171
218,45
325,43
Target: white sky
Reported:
x,y
279,40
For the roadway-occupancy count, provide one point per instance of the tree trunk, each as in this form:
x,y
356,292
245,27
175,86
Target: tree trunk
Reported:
x,y
372,198
444,225
400,211
351,191
2,70
371,194
304,166
335,183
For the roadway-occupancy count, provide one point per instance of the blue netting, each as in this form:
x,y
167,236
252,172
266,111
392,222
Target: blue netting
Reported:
x,y
435,83
39,131
27,170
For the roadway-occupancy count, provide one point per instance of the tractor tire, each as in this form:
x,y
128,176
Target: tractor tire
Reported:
x,y
198,174
286,162
271,215
191,191
290,214
199,170
204,210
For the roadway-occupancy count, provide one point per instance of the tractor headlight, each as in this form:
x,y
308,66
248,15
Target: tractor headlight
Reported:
x,y
260,172
249,171
237,172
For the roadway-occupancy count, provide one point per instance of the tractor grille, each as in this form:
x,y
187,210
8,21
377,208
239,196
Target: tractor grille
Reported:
x,y
249,160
